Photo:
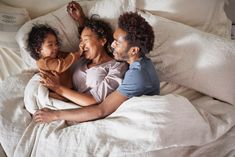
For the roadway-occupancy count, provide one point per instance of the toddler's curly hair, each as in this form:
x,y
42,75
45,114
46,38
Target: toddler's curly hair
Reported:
x,y
37,36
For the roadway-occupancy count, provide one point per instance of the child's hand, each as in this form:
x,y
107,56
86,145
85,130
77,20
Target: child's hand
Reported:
x,y
78,54
81,48
75,11
51,81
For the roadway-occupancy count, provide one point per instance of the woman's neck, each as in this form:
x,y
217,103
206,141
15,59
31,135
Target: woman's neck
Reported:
x,y
102,58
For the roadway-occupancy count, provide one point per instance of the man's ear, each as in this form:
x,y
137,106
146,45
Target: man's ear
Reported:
x,y
134,50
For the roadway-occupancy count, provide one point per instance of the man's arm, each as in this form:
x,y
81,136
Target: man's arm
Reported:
x,y
107,107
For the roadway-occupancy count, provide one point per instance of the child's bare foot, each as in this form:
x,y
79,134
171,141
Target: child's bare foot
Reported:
x,y
75,11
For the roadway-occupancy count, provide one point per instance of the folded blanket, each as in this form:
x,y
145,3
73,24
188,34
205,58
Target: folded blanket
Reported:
x,y
36,96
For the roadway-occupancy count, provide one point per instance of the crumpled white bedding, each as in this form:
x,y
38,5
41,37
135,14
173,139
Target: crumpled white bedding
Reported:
x,y
142,126
36,96
10,62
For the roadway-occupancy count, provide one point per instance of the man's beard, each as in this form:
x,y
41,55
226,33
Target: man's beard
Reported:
x,y
123,58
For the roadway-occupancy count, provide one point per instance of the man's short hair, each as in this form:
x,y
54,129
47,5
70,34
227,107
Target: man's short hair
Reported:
x,y
139,32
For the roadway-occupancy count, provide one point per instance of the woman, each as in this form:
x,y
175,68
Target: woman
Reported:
x,y
97,74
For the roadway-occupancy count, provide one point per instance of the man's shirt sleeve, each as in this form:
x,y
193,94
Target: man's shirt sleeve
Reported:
x,y
133,83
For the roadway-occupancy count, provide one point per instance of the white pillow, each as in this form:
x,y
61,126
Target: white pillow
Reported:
x,y
11,19
192,58
108,10
42,7
206,15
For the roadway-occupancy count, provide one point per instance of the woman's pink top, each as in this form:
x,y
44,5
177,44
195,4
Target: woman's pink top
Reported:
x,y
100,80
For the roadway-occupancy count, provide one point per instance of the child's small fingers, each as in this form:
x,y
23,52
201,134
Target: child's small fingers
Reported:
x,y
43,72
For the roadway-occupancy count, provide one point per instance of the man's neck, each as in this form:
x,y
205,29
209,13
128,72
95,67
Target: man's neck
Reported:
x,y
132,59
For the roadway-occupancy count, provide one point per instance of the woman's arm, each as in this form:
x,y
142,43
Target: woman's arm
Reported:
x,y
107,107
81,99
75,11
110,82
52,82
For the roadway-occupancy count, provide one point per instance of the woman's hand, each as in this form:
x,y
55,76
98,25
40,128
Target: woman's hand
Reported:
x,y
51,81
45,115
75,11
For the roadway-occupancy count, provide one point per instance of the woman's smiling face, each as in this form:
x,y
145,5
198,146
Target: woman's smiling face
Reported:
x,y
91,46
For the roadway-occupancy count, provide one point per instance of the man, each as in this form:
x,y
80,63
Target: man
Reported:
x,y
133,39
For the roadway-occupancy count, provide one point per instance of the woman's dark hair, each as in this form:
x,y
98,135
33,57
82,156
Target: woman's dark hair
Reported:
x,y
37,36
139,32
102,29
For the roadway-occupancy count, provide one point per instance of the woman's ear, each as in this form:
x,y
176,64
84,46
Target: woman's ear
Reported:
x,y
103,41
38,50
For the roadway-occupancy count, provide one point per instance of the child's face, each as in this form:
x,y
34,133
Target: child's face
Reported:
x,y
49,47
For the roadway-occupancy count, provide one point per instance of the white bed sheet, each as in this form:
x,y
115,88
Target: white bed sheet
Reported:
x,y
147,125
10,62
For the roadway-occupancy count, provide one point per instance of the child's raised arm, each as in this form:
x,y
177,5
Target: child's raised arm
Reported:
x,y
58,65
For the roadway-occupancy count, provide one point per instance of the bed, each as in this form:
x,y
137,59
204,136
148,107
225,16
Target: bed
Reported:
x,y
194,115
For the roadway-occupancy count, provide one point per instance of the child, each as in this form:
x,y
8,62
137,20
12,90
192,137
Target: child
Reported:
x,y
44,44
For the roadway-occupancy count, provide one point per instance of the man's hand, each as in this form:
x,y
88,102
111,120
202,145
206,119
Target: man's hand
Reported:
x,y
45,115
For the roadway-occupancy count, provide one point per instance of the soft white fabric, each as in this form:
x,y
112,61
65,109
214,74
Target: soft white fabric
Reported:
x,y
108,10
11,19
170,87
193,58
2,153
147,125
36,96
10,62
206,15
11,106
43,6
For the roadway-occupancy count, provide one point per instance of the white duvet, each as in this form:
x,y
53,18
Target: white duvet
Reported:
x,y
142,126
36,96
